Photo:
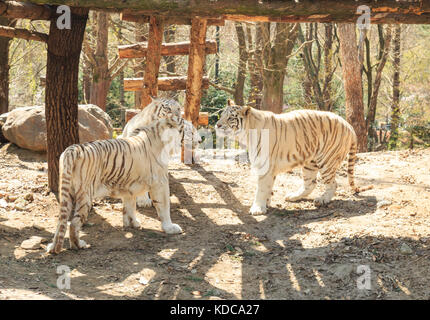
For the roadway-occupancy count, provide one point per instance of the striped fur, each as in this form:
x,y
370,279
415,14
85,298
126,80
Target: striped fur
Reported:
x,y
316,141
121,168
159,108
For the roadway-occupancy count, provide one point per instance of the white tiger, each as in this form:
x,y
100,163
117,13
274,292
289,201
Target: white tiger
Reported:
x,y
313,140
159,108
122,168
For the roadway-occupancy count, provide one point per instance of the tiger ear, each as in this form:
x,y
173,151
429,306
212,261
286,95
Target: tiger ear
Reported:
x,y
230,102
245,110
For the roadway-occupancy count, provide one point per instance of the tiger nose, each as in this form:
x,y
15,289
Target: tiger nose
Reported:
x,y
218,125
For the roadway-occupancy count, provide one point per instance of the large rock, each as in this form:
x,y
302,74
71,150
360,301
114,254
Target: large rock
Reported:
x,y
3,118
26,127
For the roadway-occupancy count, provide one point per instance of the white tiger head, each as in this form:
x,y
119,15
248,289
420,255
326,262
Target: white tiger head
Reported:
x,y
231,121
165,108
187,131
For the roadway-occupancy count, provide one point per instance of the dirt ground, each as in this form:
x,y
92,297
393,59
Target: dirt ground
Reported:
x,y
295,251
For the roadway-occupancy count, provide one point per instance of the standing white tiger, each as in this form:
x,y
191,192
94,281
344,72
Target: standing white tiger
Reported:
x,y
122,168
159,108
313,140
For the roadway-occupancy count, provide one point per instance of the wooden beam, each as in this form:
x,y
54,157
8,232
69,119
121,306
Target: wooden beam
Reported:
x,y
164,83
20,10
22,34
202,121
140,49
392,11
153,58
178,20
196,65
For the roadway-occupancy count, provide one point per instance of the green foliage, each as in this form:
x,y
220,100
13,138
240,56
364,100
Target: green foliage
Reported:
x,y
214,99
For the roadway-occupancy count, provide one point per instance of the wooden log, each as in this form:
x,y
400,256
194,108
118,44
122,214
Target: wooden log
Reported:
x,y
153,58
20,10
196,65
178,20
22,34
395,11
203,119
140,49
164,83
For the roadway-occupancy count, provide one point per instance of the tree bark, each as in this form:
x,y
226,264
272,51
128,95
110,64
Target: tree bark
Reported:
x,y
373,90
241,69
153,58
164,83
4,69
395,107
139,50
101,78
255,67
61,97
351,69
383,11
275,59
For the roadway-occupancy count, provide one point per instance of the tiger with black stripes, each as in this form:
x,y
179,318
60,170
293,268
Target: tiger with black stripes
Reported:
x,y
316,141
159,108
121,168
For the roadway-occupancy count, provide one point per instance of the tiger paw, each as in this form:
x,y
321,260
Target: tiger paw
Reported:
x,y
256,210
320,201
294,196
50,248
80,245
144,202
130,222
172,228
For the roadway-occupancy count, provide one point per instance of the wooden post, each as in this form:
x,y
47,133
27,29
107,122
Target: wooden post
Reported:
x,y
153,58
196,64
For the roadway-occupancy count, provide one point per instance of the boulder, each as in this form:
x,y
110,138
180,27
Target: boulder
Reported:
x,y
26,127
3,118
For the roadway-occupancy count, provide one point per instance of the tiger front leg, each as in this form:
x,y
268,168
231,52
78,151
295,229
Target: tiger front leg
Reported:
x,y
129,213
160,196
263,194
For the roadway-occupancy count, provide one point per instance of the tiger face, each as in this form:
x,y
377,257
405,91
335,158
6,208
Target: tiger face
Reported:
x,y
188,132
167,108
231,121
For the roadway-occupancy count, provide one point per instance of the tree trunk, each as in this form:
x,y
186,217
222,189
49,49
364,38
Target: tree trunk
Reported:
x,y
395,107
4,69
254,67
241,69
101,77
61,98
351,69
275,59
373,88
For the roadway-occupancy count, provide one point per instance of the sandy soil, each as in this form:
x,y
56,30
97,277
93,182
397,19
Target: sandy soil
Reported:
x,y
295,251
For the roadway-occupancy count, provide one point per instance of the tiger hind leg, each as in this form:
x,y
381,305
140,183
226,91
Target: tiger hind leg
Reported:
x,y
328,176
309,173
144,201
82,208
129,213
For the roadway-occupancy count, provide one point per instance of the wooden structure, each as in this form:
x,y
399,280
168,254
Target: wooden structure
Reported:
x,y
154,49
196,49
64,46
